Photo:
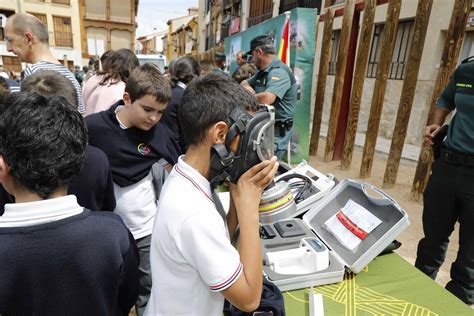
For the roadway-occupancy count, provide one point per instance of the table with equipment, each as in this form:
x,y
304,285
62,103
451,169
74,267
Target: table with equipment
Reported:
x,y
301,248
389,285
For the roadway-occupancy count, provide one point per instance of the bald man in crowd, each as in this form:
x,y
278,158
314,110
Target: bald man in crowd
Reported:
x,y
27,37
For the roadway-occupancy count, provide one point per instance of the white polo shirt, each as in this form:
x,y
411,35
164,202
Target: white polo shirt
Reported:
x,y
136,205
192,259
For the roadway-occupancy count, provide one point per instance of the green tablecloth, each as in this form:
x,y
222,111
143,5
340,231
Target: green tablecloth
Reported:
x,y
389,285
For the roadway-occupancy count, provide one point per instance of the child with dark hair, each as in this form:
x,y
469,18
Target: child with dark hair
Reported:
x,y
107,86
4,91
93,187
49,83
133,140
56,257
206,67
185,69
192,258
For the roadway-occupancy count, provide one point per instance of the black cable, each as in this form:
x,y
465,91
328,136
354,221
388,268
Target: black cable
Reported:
x,y
304,187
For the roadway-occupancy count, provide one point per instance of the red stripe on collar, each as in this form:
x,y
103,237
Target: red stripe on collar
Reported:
x,y
194,183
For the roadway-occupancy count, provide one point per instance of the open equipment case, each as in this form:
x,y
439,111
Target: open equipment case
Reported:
x,y
320,186
293,234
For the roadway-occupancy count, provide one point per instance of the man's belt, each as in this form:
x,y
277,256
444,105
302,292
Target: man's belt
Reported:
x,y
456,158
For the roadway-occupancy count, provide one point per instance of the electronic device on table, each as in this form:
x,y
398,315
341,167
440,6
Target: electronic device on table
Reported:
x,y
345,229
293,193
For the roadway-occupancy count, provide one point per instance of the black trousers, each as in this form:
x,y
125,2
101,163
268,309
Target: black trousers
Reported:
x,y
449,197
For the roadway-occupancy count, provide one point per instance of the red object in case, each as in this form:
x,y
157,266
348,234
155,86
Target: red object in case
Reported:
x,y
352,227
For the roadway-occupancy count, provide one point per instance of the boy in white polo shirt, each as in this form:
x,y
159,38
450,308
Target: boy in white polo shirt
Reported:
x,y
133,139
194,266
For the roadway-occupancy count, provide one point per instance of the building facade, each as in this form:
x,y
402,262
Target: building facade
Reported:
x,y
107,25
221,18
63,22
178,29
151,44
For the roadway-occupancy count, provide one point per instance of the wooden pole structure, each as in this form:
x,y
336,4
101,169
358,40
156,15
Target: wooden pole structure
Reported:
x,y
388,43
339,78
322,78
450,55
358,85
408,92
347,88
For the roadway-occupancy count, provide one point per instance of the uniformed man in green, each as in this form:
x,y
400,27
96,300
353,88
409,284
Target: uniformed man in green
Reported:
x,y
273,84
219,62
449,194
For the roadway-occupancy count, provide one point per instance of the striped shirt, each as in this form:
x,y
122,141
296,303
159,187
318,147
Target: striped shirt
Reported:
x,y
13,85
44,65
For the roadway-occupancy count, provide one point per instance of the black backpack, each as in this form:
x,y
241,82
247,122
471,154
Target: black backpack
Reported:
x,y
271,301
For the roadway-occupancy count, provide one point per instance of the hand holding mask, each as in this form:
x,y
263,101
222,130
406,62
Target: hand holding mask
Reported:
x,y
255,132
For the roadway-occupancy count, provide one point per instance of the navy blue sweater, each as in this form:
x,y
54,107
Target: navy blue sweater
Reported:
x,y
131,151
86,264
171,117
93,187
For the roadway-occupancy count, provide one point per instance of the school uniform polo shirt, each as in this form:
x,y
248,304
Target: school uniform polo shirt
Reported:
x,y
192,259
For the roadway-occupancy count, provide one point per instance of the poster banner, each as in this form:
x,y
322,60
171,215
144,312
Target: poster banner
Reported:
x,y
303,24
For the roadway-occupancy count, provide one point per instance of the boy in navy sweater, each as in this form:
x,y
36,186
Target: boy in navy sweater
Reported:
x,y
133,140
56,258
93,187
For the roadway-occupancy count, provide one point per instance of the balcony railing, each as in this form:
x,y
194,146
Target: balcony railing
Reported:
x,y
61,1
254,20
120,14
286,5
210,41
260,10
227,3
63,39
96,11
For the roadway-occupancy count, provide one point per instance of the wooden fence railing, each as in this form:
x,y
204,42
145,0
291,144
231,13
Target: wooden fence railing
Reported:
x,y
449,57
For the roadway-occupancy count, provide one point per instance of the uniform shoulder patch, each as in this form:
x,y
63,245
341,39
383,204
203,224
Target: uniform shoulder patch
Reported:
x,y
463,85
275,78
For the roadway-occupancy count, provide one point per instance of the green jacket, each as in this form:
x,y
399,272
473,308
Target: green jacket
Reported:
x,y
459,95
278,79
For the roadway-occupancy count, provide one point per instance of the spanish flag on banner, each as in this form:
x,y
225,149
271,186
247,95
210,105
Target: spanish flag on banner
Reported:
x,y
284,52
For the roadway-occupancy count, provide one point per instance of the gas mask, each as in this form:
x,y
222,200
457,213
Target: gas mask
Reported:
x,y
256,131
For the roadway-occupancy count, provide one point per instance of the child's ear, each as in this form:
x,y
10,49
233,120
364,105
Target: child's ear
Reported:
x,y
4,169
219,132
126,99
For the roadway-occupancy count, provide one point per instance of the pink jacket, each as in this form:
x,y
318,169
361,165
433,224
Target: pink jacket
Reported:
x,y
98,97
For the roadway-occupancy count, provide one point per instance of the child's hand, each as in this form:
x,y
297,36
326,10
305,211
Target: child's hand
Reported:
x,y
247,192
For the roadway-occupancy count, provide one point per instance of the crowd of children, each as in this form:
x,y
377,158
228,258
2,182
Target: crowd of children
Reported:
x,y
164,249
